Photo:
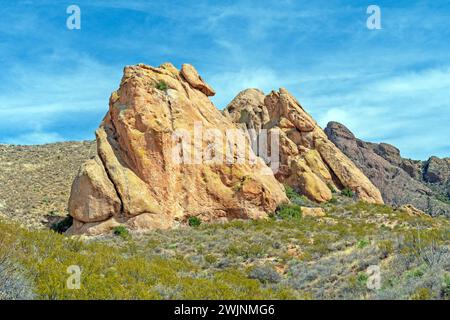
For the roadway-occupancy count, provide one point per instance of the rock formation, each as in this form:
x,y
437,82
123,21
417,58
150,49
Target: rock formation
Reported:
x,y
310,162
137,180
425,185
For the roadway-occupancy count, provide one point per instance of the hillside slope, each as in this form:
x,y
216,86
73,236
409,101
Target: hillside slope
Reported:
x,y
35,180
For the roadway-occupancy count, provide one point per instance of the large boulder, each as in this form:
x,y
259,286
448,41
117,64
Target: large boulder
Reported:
x,y
401,181
310,162
159,164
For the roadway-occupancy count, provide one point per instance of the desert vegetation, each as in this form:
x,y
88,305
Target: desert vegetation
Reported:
x,y
284,257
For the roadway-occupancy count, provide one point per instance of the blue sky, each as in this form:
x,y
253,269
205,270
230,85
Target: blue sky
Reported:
x,y
390,85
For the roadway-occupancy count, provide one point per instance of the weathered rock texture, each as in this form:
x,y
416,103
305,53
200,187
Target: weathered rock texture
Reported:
x,y
425,185
310,162
135,179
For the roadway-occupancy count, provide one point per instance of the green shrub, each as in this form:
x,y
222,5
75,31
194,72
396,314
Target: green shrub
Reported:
x,y
362,244
121,231
62,225
333,200
446,287
161,85
347,192
194,221
331,187
443,198
210,258
289,211
362,279
290,193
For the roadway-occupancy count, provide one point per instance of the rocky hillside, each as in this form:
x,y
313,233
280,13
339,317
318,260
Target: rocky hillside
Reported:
x,y
424,184
35,180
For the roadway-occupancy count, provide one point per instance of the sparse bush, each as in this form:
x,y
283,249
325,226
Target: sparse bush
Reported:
x,y
362,244
421,294
210,258
290,192
331,187
121,231
362,279
161,85
289,211
14,285
194,221
296,198
446,287
347,192
333,200
265,274
386,247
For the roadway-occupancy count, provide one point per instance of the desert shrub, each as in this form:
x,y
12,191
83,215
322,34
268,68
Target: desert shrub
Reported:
x,y
421,294
161,85
194,221
245,250
14,284
427,245
296,198
63,225
386,247
121,231
446,287
443,198
333,200
289,211
265,274
362,279
331,187
347,192
362,244
210,258
290,192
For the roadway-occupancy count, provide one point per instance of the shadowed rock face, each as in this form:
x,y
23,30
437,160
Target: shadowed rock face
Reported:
x,y
135,179
310,162
401,181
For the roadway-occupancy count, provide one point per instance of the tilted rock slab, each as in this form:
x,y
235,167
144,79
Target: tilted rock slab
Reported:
x,y
310,162
135,179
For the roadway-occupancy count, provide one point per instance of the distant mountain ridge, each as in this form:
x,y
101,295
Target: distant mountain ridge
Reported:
x,y
424,184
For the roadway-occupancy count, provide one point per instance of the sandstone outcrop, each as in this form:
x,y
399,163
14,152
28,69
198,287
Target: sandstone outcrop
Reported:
x,y
411,210
313,212
401,181
137,178
310,162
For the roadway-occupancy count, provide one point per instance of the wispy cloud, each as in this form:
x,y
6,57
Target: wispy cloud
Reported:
x,y
389,85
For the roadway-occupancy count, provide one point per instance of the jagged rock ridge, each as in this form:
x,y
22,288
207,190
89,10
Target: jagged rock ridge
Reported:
x,y
424,184
310,162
